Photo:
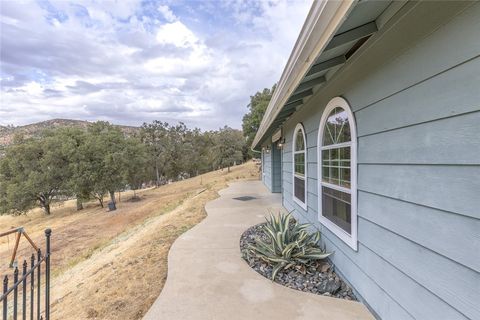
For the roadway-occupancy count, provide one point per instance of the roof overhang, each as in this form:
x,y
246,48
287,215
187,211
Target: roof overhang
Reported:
x,y
322,21
332,33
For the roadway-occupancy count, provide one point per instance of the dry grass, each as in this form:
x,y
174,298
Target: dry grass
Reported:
x,y
114,265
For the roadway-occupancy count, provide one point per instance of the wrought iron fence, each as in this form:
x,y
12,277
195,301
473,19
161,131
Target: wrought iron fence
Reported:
x,y
28,284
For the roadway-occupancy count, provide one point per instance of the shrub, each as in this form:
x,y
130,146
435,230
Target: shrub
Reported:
x,y
287,244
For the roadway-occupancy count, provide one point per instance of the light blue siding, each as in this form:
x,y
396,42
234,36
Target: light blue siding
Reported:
x,y
402,109
433,228
450,187
414,89
272,168
422,54
276,169
267,169
449,140
449,280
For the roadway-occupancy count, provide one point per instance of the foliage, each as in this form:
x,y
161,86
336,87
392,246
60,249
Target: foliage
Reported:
x,y
87,169
136,167
177,147
288,244
109,144
228,147
90,163
257,107
36,171
154,136
176,152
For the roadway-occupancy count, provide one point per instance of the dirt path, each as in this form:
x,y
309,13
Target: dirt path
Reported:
x,y
113,266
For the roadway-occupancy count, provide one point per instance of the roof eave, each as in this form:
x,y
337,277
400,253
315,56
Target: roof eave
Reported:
x,y
323,19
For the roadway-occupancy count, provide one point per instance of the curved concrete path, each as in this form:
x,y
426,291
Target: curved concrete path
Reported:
x,y
208,279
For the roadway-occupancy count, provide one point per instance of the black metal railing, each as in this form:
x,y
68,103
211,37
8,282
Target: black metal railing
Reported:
x,y
29,280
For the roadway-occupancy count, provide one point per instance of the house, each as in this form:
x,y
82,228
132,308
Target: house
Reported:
x,y
373,136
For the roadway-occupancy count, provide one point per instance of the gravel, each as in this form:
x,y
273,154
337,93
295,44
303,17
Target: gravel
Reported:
x,y
320,278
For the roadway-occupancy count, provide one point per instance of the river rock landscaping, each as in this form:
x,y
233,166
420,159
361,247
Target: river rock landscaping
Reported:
x,y
319,278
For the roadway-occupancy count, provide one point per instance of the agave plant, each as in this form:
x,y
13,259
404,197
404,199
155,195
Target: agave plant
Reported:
x,y
287,244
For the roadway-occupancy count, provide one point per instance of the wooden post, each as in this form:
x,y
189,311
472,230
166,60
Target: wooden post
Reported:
x,y
30,240
19,232
17,240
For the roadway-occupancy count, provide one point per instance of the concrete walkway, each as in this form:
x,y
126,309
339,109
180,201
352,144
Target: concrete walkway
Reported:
x,y
208,279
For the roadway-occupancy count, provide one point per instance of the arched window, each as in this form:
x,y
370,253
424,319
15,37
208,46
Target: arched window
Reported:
x,y
337,200
299,167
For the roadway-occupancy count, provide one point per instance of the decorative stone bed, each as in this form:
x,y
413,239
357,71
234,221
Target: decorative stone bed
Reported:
x,y
319,279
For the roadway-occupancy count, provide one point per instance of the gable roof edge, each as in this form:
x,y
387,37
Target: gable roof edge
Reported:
x,y
323,19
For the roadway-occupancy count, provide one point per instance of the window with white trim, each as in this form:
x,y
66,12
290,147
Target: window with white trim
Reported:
x,y
337,165
299,166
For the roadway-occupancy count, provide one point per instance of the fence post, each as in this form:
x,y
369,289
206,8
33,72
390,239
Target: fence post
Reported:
x,y
15,293
5,306
39,287
24,291
32,285
36,263
48,232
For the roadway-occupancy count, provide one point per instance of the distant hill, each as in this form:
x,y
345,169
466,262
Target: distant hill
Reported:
x,y
35,129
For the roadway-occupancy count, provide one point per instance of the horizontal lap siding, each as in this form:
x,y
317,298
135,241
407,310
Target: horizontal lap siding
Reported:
x,y
355,275
451,188
432,227
446,141
433,52
431,272
417,110
312,155
276,169
437,98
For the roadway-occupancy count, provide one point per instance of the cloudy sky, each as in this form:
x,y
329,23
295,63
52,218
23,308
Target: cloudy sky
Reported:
x,y
130,62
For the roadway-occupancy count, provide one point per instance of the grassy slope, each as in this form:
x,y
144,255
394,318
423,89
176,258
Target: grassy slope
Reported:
x,y
114,265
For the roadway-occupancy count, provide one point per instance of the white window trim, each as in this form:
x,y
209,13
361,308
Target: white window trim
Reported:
x,y
350,239
299,126
263,164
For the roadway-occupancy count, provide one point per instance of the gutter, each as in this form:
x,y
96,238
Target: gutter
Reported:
x,y
323,20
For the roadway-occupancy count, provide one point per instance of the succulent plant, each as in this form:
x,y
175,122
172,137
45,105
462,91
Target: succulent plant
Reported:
x,y
288,244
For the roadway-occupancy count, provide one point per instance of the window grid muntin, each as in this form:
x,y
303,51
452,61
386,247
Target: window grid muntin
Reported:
x,y
297,175
329,163
348,238
330,134
335,186
302,165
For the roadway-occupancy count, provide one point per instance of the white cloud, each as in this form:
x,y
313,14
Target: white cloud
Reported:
x,y
167,13
176,33
127,63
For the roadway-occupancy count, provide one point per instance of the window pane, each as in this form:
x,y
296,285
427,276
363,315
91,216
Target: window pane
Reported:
x,y
326,156
325,173
334,175
344,153
299,159
328,134
334,154
299,142
337,128
345,177
299,188
336,207
336,166
344,135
